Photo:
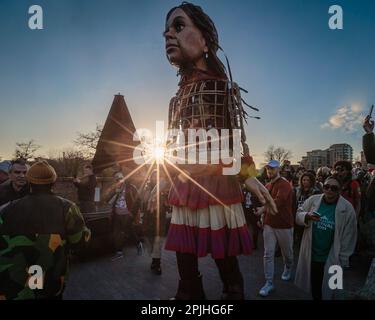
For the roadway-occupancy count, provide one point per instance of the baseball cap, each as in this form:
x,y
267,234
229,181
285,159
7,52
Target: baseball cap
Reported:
x,y
273,164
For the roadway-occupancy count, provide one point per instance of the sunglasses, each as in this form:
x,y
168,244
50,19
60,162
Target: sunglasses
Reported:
x,y
340,169
333,188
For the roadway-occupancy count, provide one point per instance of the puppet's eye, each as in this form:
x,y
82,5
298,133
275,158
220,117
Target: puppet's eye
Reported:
x,y
179,26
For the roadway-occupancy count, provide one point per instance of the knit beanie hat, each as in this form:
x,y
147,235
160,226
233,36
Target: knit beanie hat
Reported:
x,y
41,173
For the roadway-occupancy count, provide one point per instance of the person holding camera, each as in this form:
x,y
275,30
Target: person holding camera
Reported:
x,y
124,199
368,140
369,151
86,189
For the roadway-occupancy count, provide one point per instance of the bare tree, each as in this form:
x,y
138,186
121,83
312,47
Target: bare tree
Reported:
x,y
278,153
86,142
26,150
67,162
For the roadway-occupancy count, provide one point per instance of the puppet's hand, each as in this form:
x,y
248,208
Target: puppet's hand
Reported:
x,y
247,168
261,192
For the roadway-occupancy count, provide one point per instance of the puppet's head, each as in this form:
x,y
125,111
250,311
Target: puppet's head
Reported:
x,y
192,40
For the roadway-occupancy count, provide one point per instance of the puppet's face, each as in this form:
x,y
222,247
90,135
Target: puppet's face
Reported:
x,y
185,43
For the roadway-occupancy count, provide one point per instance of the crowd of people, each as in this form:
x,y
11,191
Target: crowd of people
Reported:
x,y
309,215
320,214
36,228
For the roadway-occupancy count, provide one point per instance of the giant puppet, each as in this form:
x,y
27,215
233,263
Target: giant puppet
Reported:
x,y
207,213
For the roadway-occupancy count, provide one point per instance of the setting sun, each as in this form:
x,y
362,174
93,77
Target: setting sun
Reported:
x,y
158,153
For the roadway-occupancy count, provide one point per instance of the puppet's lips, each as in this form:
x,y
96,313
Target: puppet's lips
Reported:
x,y
171,46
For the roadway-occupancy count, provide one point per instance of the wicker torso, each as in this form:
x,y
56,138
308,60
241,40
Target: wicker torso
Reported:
x,y
200,104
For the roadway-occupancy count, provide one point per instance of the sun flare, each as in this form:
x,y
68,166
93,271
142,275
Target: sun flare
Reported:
x,y
158,153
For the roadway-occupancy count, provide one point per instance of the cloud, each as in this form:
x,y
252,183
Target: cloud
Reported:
x,y
346,118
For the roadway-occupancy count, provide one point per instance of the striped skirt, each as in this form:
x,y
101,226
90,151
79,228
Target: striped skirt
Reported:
x,y
217,230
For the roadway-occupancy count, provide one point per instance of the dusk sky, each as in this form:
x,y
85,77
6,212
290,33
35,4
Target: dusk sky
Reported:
x,y
313,85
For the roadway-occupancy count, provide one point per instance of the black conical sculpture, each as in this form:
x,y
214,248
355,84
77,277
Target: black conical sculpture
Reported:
x,y
116,145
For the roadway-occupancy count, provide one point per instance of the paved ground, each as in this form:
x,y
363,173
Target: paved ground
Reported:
x,y
130,278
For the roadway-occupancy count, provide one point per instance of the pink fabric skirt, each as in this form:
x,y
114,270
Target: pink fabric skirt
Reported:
x,y
219,189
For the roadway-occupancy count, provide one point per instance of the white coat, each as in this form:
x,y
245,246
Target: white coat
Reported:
x,y
345,237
